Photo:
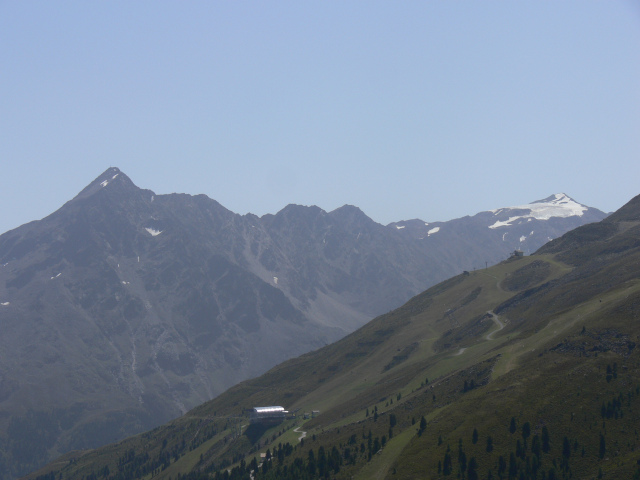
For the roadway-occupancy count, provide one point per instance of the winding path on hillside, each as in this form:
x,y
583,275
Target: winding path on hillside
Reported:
x,y
302,434
489,336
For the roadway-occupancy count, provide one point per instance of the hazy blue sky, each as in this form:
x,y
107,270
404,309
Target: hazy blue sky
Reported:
x,y
406,109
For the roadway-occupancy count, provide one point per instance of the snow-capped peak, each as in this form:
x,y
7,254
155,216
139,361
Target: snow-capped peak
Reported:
x,y
558,205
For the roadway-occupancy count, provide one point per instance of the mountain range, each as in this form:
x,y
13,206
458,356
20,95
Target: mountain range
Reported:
x,y
529,369
124,309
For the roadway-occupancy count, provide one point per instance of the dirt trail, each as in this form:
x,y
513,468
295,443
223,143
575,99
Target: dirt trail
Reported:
x,y
489,336
498,281
302,434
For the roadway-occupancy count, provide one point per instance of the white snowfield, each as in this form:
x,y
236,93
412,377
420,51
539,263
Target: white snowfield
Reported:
x,y
400,227
560,206
432,231
153,232
4,304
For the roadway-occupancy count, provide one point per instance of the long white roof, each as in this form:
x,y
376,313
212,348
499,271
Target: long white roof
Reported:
x,y
268,409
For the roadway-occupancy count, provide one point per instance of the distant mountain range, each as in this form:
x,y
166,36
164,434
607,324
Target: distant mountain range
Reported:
x,y
529,369
124,308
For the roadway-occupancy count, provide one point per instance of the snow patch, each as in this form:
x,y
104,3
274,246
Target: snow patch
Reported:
x,y
400,227
153,232
503,235
432,231
504,224
522,238
4,304
106,182
125,283
275,280
52,278
559,205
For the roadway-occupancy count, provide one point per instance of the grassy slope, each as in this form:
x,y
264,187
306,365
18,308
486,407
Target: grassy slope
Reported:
x,y
542,368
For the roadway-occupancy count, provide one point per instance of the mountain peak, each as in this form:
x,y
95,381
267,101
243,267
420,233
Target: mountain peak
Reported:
x,y
557,205
556,198
107,176
293,209
110,177
347,210
350,214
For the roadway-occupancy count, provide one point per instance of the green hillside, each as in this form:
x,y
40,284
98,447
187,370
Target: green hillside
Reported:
x,y
525,370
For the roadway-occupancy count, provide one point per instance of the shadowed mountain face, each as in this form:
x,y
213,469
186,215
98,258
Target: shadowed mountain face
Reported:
x,y
124,309
529,369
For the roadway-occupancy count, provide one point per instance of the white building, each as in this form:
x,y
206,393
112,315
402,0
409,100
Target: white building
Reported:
x,y
268,415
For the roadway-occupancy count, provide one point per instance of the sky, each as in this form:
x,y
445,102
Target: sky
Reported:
x,y
418,109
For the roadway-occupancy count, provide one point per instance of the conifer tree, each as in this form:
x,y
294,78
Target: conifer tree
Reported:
x,y
535,445
472,474
546,447
489,444
566,448
392,420
423,426
447,466
502,466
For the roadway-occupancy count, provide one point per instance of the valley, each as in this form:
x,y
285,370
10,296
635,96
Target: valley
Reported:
x,y
527,369
125,309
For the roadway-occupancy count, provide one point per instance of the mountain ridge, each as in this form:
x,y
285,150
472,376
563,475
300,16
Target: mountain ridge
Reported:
x,y
125,308
526,369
